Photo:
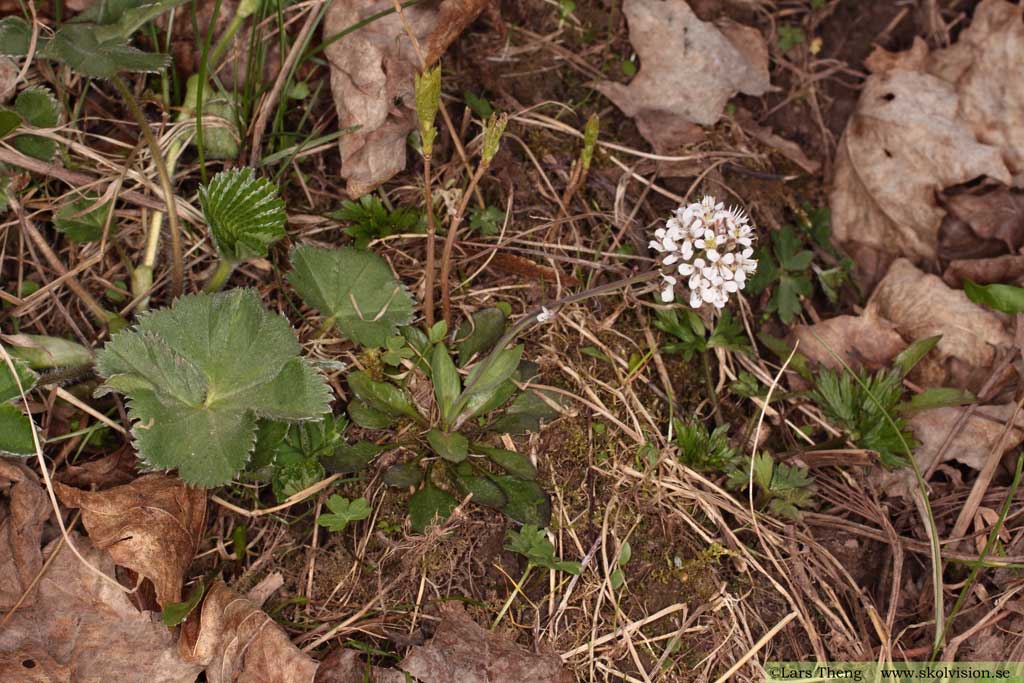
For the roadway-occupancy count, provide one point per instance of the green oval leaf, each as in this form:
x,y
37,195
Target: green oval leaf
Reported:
x,y
368,418
352,458
176,612
15,432
383,397
480,333
483,490
1004,298
452,447
527,502
510,461
403,475
429,504
447,383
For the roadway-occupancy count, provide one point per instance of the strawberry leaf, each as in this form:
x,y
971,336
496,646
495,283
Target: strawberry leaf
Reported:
x,y
244,213
199,374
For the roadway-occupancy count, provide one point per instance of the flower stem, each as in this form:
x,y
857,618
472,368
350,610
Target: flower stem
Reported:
x,y
177,259
449,242
428,281
219,277
710,383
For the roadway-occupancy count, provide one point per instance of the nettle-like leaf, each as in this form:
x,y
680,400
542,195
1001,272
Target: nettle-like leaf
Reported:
x,y
36,107
198,375
245,214
15,426
354,289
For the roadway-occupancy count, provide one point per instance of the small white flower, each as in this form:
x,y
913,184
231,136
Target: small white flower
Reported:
x,y
545,316
708,245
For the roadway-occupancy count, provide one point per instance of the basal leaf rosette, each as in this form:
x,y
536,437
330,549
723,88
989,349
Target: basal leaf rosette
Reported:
x,y
198,376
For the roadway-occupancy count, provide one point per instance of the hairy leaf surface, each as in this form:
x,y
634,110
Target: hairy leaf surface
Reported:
x,y
199,374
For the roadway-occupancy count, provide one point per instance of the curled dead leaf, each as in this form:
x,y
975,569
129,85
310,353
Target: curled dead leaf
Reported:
x,y
22,516
973,440
236,642
113,469
903,145
861,341
985,64
84,624
688,70
152,526
463,651
922,305
347,666
994,215
1008,268
372,79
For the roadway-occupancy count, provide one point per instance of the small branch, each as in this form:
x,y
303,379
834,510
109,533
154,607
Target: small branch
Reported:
x,y
449,243
177,258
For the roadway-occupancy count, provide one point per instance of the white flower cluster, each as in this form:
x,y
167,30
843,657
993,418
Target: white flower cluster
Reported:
x,y
712,246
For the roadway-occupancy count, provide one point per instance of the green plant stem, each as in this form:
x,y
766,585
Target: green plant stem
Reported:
x,y
993,536
511,598
177,258
225,38
142,276
219,277
709,381
428,276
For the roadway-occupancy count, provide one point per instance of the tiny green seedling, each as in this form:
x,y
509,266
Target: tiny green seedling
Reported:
x,y
532,543
782,488
692,333
618,574
370,220
486,221
702,450
790,37
291,455
83,218
342,512
15,427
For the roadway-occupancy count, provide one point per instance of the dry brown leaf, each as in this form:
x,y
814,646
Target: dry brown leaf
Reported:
x,y
463,651
372,79
236,642
347,666
688,70
903,145
153,526
83,624
922,305
111,470
859,340
985,64
995,215
22,516
1007,268
531,270
972,442
767,136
